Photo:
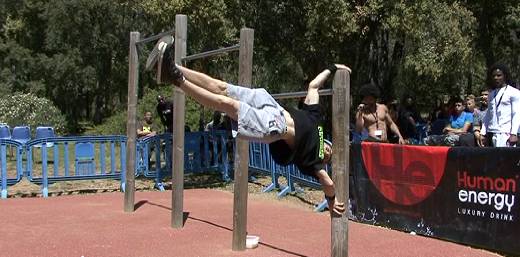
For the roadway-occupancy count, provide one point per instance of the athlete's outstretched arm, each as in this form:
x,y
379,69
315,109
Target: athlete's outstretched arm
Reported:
x,y
335,207
313,97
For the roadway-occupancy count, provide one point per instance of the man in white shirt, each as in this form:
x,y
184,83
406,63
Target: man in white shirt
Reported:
x,y
502,120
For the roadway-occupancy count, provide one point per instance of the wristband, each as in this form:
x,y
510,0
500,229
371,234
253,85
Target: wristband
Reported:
x,y
332,68
330,198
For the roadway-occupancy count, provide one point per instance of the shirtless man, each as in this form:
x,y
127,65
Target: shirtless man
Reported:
x,y
374,117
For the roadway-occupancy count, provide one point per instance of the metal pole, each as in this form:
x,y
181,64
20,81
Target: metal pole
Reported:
x,y
299,94
211,53
155,37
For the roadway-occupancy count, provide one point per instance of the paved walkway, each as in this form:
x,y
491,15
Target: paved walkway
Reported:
x,y
95,225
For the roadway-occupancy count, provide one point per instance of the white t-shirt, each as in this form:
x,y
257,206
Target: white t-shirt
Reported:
x,y
503,113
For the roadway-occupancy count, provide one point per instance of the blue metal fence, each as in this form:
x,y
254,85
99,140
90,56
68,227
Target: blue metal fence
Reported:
x,y
260,160
7,174
106,161
48,160
203,152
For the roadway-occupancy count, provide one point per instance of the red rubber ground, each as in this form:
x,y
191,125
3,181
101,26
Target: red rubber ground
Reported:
x,y
95,225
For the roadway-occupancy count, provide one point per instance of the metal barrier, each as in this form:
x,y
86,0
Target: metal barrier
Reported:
x,y
7,175
87,164
219,148
50,160
260,160
204,152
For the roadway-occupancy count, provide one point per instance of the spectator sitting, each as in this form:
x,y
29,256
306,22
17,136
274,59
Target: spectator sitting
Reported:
x,y
442,111
471,105
439,119
407,119
456,132
478,119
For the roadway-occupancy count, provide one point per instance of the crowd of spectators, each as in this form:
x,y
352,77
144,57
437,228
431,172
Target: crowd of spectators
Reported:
x,y
490,119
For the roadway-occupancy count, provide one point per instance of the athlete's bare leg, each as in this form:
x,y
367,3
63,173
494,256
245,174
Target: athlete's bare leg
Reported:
x,y
212,100
202,80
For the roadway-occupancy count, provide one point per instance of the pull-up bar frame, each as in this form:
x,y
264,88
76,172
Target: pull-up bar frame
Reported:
x,y
340,136
211,53
155,37
299,94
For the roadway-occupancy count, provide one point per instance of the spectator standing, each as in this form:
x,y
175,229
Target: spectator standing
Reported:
x,y
165,112
374,117
502,120
146,127
215,123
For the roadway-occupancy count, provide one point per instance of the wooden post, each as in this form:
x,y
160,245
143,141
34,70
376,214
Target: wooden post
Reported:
x,y
245,70
177,217
131,126
340,159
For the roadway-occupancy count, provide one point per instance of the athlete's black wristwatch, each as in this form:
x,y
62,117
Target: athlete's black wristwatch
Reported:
x,y
332,68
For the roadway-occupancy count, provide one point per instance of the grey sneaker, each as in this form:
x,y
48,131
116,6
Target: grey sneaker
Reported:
x,y
162,58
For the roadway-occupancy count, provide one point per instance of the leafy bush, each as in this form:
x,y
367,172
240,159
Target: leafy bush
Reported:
x,y
28,109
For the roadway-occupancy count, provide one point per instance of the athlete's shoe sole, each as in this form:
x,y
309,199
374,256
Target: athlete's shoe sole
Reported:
x,y
157,51
161,58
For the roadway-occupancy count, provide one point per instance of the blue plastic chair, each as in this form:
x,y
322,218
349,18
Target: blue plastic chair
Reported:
x,y
45,132
42,132
5,132
192,158
84,160
21,134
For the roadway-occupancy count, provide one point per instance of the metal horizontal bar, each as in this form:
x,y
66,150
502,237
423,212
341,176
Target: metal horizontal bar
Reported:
x,y
300,94
155,37
211,53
